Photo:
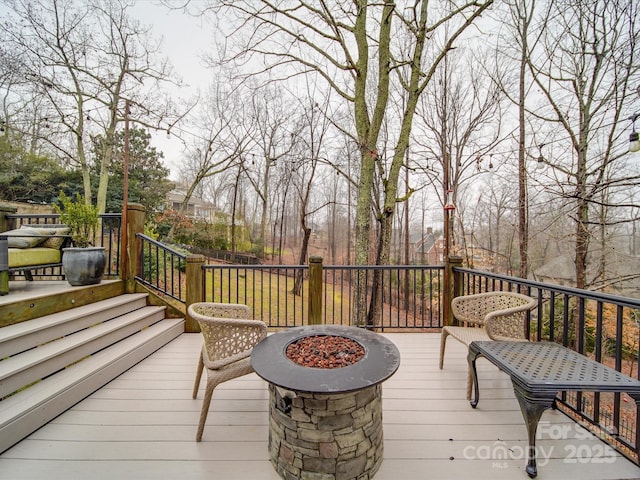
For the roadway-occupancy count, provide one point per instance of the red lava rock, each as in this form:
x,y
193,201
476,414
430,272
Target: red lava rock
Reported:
x,y
325,351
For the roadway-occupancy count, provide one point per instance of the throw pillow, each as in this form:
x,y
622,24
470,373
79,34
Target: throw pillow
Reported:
x,y
55,230
57,240
25,237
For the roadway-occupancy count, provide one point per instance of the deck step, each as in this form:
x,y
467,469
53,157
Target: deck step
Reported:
x,y
49,363
33,407
24,335
37,363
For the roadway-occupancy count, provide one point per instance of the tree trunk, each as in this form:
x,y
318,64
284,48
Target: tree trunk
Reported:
x,y
265,202
363,233
297,287
233,217
103,182
582,216
523,216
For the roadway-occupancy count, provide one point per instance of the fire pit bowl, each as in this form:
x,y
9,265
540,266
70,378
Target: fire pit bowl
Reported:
x,y
325,422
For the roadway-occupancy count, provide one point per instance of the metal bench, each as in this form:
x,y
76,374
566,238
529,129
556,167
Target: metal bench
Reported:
x,y
538,371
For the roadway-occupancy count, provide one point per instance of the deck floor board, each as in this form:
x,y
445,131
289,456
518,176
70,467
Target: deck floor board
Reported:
x,y
142,426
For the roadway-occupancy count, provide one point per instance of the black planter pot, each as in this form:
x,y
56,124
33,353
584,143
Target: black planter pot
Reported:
x,y
83,266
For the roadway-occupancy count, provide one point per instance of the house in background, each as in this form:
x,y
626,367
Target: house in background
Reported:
x,y
622,272
196,208
428,249
561,270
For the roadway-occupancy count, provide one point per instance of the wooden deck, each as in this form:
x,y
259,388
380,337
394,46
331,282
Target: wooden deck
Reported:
x,y
22,290
142,426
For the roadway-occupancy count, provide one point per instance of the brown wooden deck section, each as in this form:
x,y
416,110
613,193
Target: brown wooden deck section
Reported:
x,y
142,425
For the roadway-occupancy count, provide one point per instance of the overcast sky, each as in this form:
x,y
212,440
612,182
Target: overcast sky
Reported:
x,y
184,39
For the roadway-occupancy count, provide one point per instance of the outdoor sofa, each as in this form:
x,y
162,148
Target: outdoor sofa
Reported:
x,y
28,248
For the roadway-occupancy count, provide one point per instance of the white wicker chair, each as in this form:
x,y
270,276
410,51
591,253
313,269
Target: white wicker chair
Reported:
x,y
487,316
229,337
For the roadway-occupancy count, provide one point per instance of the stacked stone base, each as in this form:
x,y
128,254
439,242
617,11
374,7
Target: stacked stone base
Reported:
x,y
326,436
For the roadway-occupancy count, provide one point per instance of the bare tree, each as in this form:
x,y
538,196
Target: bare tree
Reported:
x,y
312,146
273,139
224,138
282,211
344,165
521,18
458,125
333,195
85,58
358,50
584,68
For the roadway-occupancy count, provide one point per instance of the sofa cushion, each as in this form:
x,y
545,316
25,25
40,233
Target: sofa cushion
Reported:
x,y
25,257
26,237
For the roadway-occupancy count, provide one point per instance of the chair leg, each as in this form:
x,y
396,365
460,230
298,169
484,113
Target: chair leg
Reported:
x,y
206,401
443,343
196,385
469,383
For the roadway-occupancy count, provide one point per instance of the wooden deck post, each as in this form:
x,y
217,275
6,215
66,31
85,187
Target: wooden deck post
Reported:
x,y
4,266
194,292
452,287
5,223
315,290
131,245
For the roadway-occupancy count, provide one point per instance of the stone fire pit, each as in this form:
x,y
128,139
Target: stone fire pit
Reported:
x,y
325,421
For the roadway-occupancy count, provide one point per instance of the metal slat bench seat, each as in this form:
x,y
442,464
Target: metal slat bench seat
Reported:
x,y
538,371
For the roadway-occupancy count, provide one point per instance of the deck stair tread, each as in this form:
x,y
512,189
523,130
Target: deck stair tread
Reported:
x,y
27,410
46,359
50,363
21,336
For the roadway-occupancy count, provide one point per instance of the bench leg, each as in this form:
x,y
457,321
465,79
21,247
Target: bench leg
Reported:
x,y
472,376
532,408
